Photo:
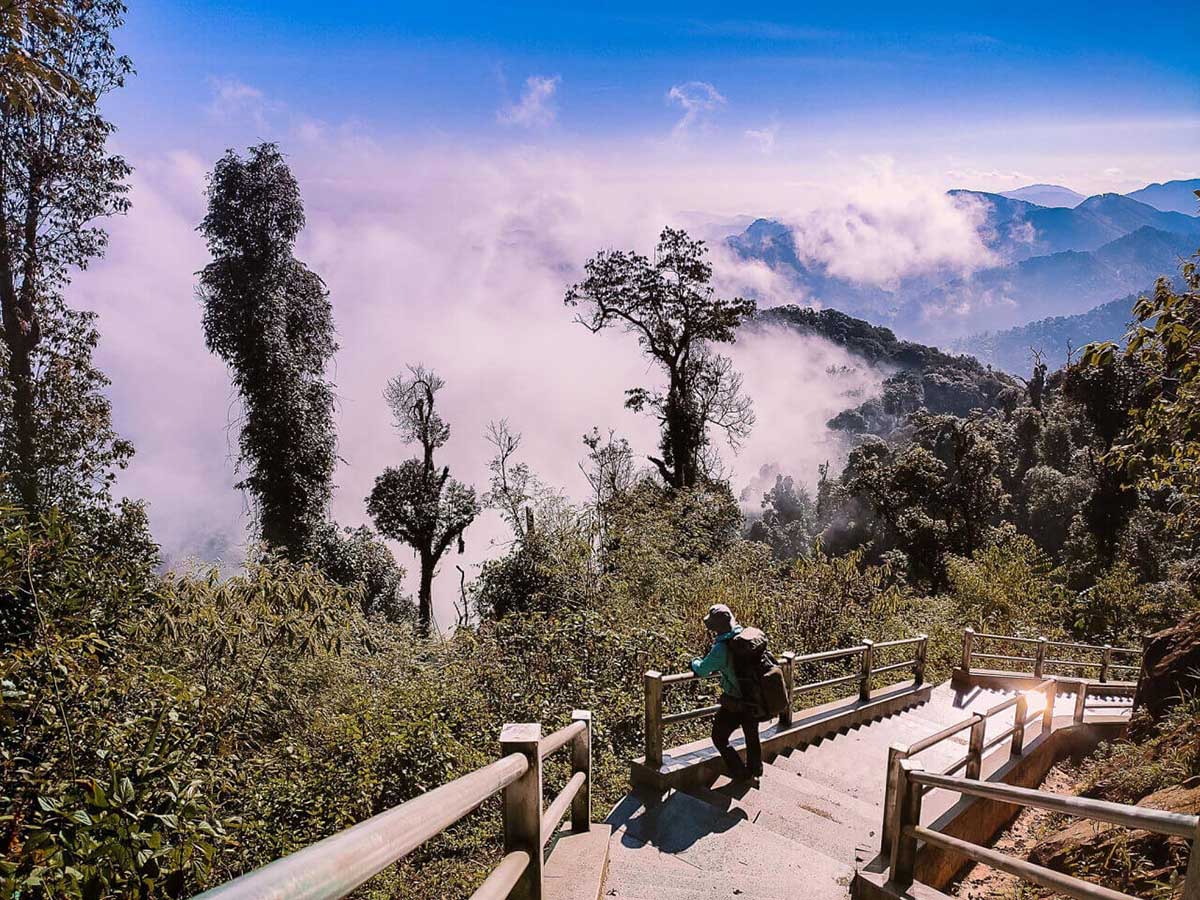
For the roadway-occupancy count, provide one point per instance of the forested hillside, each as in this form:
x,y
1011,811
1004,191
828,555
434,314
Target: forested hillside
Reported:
x,y
1056,339
161,732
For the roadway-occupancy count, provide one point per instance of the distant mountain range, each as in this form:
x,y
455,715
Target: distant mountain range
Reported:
x,y
1057,261
1046,195
1171,196
1054,337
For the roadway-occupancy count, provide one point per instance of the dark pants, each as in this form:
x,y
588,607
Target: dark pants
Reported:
x,y
731,716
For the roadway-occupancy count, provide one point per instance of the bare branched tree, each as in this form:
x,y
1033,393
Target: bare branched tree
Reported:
x,y
415,502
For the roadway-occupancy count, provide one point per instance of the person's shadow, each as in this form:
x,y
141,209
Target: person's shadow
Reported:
x,y
673,824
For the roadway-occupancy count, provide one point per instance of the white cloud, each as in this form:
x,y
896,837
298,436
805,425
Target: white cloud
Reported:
x,y
442,256
697,99
883,227
233,99
764,137
536,106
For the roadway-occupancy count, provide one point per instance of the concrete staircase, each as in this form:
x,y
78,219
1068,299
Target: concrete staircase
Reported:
x,y
813,820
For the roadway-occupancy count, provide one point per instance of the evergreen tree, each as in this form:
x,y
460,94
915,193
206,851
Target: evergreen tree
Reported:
x,y
57,179
269,317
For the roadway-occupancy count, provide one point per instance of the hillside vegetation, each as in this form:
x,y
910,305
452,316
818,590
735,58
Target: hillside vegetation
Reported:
x,y
161,732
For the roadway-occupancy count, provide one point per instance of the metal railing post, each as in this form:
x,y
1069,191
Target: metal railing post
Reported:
x,y
975,748
654,722
581,761
968,639
1080,702
522,803
1018,736
1191,881
788,666
1051,699
864,685
1039,662
904,845
1105,662
922,656
891,795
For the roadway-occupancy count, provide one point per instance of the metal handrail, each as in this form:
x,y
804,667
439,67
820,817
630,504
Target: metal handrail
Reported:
x,y
561,738
655,682
977,747
1005,658
1027,871
903,664
913,782
845,652
1000,738
936,738
883,645
559,806
319,871
499,884
1005,637
1043,658
1160,821
829,682
334,867
689,714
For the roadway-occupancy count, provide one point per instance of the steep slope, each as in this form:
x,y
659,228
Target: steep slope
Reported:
x,y
924,377
1171,196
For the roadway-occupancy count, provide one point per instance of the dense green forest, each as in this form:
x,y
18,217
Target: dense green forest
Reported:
x,y
163,731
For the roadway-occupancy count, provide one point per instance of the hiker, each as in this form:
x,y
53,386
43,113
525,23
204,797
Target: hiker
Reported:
x,y
735,712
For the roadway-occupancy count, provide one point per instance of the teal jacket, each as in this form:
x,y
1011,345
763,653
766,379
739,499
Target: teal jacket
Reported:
x,y
720,660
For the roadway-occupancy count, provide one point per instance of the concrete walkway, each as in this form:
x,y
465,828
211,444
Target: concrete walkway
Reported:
x,y
814,819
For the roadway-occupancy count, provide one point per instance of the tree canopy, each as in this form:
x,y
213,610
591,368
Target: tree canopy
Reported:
x,y
414,502
269,317
669,304
57,180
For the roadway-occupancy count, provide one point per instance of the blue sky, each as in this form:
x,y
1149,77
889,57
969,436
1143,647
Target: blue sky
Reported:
x,y
893,78
459,164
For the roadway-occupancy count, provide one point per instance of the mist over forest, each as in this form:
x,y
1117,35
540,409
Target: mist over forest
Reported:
x,y
345,419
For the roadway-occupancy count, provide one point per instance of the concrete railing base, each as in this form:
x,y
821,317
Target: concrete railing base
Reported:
x,y
697,763
979,820
1000,680
875,886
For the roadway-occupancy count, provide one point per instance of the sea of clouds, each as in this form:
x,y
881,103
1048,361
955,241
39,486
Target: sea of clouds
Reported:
x,y
458,260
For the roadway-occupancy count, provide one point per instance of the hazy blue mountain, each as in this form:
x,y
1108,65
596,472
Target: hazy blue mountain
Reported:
x,y
1171,196
1012,349
1064,283
1046,195
1018,230
772,242
1056,262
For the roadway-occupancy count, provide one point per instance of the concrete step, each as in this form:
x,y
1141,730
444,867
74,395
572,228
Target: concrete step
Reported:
x,y
813,797
855,763
729,849
648,884
577,864
782,812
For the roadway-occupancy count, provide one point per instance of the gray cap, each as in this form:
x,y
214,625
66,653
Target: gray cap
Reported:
x,y
720,619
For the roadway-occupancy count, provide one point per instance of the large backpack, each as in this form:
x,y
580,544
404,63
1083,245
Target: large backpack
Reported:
x,y
761,681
